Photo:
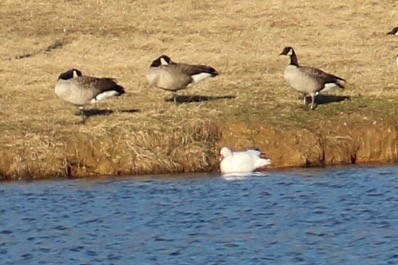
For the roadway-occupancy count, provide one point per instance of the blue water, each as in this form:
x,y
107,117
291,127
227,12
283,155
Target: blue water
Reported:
x,y
312,216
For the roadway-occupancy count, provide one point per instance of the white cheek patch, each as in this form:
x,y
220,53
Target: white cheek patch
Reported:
x,y
200,77
104,95
163,61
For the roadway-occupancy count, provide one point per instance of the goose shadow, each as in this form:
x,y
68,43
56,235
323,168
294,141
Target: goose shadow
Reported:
x,y
326,99
104,112
198,98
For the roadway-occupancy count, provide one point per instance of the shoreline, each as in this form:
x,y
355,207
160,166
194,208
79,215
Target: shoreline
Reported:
x,y
194,149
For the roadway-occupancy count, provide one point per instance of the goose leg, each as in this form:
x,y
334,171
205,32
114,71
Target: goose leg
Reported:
x,y
83,115
313,105
305,100
175,97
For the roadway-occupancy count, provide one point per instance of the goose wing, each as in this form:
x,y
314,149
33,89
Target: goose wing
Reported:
x,y
100,85
322,76
191,70
393,31
175,76
254,152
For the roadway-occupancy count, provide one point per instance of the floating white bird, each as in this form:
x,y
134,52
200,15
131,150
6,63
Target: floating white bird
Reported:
x,y
241,161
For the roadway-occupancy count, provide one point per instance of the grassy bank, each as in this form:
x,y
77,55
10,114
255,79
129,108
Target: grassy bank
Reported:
x,y
249,104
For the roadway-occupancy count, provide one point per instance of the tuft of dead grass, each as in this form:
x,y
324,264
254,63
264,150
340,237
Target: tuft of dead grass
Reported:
x,y
147,134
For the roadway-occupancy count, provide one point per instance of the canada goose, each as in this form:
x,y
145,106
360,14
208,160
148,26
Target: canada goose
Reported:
x,y
168,75
80,90
394,31
241,161
308,80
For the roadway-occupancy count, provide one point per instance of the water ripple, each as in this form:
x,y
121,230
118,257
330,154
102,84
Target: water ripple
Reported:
x,y
310,216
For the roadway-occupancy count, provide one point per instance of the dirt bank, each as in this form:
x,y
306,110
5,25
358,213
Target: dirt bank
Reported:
x,y
330,144
193,148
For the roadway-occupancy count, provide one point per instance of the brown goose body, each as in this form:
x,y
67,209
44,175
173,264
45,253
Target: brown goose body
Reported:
x,y
308,80
168,75
80,90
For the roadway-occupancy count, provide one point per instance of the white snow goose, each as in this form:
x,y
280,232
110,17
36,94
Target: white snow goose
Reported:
x,y
242,161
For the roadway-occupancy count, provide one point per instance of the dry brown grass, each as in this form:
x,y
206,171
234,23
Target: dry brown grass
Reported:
x,y
241,39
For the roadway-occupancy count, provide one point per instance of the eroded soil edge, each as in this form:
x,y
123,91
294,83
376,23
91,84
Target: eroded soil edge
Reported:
x,y
193,149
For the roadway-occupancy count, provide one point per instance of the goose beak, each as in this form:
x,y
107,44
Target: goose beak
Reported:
x,y
220,158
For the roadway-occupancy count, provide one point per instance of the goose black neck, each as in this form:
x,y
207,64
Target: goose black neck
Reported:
x,y
293,59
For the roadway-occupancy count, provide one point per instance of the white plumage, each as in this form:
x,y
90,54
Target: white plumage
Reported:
x,y
104,95
241,161
200,77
